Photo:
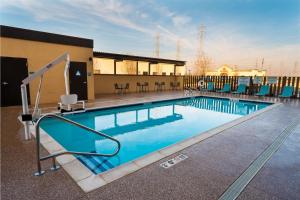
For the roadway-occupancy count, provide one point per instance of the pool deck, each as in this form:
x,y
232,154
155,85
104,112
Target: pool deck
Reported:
x,y
211,167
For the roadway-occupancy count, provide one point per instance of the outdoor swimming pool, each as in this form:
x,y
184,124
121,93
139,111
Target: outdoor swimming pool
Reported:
x,y
144,128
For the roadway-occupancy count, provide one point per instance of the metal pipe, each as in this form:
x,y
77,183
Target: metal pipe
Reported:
x,y
66,74
25,110
39,168
35,113
50,115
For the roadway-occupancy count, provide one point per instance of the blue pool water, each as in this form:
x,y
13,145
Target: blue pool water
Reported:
x,y
144,128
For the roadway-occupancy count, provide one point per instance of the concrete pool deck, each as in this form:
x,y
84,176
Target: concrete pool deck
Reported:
x,y
211,167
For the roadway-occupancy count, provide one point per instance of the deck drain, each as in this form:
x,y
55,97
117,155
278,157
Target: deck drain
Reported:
x,y
235,189
173,161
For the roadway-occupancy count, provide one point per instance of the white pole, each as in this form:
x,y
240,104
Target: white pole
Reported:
x,y
66,74
25,111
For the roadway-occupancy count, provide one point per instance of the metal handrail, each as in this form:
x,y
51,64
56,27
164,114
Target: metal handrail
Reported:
x,y
37,132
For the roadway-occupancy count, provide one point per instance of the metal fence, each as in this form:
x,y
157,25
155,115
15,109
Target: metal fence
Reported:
x,y
191,81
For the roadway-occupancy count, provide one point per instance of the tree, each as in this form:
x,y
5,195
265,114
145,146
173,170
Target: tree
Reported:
x,y
202,64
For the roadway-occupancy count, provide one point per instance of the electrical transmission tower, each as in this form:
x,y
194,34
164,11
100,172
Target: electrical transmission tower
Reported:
x,y
157,44
202,61
201,40
178,48
295,69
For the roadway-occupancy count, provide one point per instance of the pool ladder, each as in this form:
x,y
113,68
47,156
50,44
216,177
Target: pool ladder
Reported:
x,y
53,156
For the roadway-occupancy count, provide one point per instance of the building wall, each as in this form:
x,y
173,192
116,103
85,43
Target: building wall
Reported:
x,y
104,84
39,54
227,71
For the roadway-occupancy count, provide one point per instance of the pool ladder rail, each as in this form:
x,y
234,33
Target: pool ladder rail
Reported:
x,y
53,156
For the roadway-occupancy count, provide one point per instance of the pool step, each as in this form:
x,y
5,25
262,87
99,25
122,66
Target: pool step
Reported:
x,y
244,179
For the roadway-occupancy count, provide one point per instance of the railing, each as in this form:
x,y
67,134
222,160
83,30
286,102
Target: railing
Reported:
x,y
191,81
39,159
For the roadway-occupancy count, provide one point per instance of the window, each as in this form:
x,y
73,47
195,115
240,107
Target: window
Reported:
x,y
126,67
103,66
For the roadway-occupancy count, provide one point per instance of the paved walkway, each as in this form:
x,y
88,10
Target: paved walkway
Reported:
x,y
212,165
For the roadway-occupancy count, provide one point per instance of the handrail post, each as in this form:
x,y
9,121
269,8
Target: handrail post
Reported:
x,y
55,167
37,137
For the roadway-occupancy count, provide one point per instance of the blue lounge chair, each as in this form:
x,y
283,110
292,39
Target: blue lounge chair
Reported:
x,y
287,92
226,88
210,86
241,89
264,90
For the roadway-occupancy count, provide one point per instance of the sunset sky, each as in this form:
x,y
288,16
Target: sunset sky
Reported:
x,y
238,32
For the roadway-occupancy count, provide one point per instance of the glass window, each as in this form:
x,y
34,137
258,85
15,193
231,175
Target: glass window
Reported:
x,y
103,66
167,69
126,67
143,68
180,70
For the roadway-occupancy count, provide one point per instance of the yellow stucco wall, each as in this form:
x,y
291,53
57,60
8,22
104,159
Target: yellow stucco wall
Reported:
x,y
39,54
104,84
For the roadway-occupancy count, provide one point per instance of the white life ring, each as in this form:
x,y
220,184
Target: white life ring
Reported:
x,y
201,83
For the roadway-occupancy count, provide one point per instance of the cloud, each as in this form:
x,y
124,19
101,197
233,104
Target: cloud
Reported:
x,y
180,21
223,43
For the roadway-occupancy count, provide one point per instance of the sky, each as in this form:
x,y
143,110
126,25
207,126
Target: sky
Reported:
x,y
238,33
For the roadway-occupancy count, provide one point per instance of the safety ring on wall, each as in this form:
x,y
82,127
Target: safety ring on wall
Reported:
x,y
201,83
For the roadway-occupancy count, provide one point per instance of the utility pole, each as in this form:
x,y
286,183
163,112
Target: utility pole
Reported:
x,y
157,44
295,69
256,65
201,40
178,47
201,61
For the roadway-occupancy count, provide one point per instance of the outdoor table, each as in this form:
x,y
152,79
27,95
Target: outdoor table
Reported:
x,y
159,86
121,87
144,86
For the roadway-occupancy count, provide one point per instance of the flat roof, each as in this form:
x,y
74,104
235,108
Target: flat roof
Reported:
x,y
39,36
117,56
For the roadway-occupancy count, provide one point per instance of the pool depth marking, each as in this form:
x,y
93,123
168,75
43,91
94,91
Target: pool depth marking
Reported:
x,y
173,161
244,179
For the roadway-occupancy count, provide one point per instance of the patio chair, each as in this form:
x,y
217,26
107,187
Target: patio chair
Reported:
x,y
126,88
163,85
172,86
287,92
264,90
139,87
226,88
156,86
241,89
118,88
177,86
70,103
210,87
146,86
